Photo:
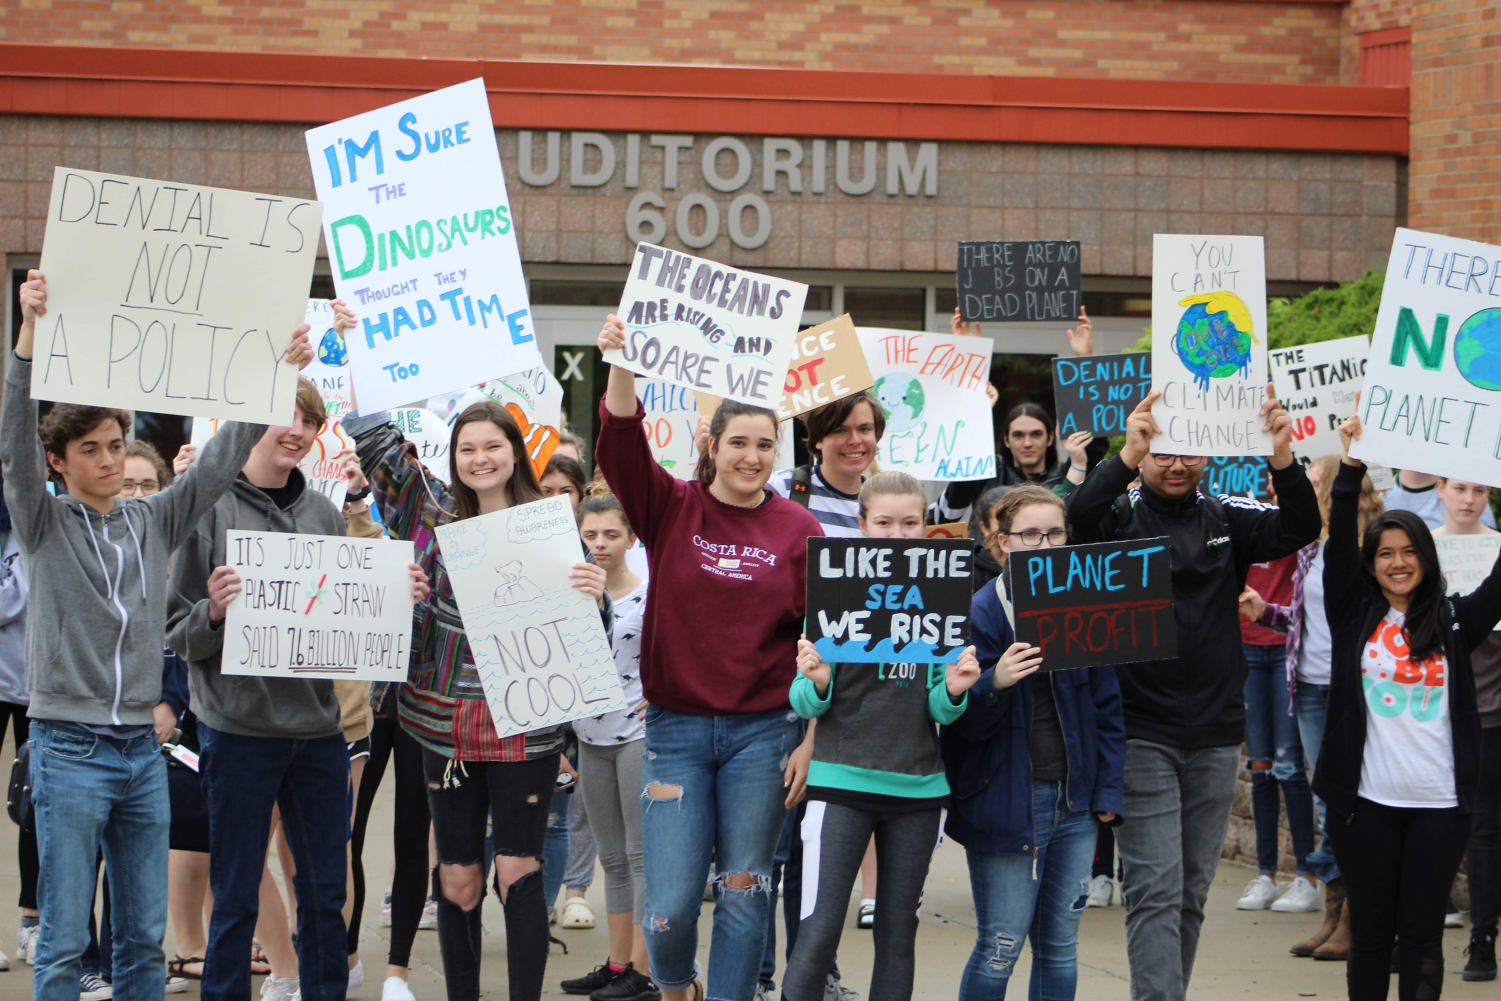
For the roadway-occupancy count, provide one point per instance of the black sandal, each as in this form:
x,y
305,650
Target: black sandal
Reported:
x,y
179,967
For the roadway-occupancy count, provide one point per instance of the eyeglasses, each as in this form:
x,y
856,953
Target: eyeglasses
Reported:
x,y
1189,461
144,487
1032,538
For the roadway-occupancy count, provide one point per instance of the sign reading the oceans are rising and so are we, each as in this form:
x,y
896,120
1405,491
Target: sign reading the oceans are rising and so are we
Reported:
x,y
538,644
172,298
423,246
707,326
826,364
1109,603
319,606
1316,384
1467,560
1017,281
1432,398
1098,393
885,601
932,390
1209,345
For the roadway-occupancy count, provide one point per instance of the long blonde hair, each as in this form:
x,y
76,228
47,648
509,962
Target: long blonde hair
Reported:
x,y
1370,501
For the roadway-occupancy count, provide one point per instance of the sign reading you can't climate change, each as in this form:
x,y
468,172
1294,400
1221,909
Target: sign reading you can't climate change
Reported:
x,y
1432,398
882,601
423,246
1017,281
172,298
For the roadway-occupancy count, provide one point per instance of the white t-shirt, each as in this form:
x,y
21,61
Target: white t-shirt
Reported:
x,y
1316,650
1409,746
622,726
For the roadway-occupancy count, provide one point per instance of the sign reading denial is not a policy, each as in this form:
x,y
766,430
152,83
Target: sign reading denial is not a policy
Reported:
x,y
423,246
709,327
172,298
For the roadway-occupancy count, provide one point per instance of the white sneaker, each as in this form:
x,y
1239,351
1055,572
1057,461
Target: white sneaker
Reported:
x,y
397,989
356,976
1260,892
176,985
92,987
4,961
1101,890
276,988
1454,919
385,912
1300,897
26,943
833,990
429,917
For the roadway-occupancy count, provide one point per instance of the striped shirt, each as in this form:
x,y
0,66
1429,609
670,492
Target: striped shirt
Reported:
x,y
836,511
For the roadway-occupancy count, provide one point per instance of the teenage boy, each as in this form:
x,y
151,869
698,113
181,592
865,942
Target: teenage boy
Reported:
x,y
266,741
97,564
1185,718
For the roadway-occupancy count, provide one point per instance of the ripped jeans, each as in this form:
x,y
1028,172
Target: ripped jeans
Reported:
x,y
713,787
1041,896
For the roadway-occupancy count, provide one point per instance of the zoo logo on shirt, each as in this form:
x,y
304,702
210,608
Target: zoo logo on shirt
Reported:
x,y
1394,683
729,560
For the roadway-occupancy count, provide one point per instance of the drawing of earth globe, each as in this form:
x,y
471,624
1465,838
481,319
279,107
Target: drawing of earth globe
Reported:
x,y
1214,337
331,350
1477,349
901,397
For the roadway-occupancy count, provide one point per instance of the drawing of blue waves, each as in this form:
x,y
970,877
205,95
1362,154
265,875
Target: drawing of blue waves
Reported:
x,y
845,652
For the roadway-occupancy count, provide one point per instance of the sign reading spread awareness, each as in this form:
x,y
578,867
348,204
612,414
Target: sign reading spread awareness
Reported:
x,y
319,606
697,323
1017,281
172,298
1209,345
423,246
1432,399
1467,560
1099,392
1108,603
671,420
827,364
538,644
932,390
885,601
1317,383
322,466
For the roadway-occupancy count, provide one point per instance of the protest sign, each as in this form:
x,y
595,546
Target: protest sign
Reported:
x,y
538,644
430,434
1098,392
172,298
322,466
1019,281
423,246
1237,476
1432,399
1108,603
696,323
1467,560
671,420
932,390
883,601
1316,384
948,530
329,369
319,606
1209,345
827,364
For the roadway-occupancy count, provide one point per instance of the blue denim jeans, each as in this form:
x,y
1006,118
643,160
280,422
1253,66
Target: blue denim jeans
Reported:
x,y
1272,735
1040,896
713,788
555,861
243,777
1310,704
89,792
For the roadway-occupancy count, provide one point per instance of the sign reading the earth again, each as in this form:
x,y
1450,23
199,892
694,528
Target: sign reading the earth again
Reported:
x,y
1209,344
1432,400
932,390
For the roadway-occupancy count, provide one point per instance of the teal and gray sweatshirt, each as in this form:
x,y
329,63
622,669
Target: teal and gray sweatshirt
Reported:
x,y
876,746
98,601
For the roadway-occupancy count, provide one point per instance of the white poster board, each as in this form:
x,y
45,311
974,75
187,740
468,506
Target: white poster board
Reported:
x,y
1432,400
932,389
707,326
1467,560
172,298
322,467
319,606
1316,384
422,244
329,369
1209,344
538,644
430,434
671,421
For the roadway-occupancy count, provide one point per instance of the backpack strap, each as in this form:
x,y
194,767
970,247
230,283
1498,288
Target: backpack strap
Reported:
x,y
802,485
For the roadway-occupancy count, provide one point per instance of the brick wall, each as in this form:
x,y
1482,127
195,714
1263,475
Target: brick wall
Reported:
x,y
1149,39
1361,16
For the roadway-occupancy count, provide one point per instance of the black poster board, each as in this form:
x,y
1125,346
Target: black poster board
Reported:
x,y
1098,392
1237,475
889,601
1019,281
1108,603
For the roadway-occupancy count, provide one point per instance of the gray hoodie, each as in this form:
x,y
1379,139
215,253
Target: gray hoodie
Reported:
x,y
98,599
298,708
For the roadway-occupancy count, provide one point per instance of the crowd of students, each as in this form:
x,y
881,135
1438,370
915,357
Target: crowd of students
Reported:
x,y
742,762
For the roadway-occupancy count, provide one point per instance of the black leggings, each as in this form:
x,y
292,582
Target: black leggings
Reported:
x,y
13,714
409,835
1399,863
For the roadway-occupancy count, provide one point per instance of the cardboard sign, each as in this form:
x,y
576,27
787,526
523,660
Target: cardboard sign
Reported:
x,y
1097,393
537,641
671,420
932,390
319,606
423,246
1019,281
948,530
888,601
1467,560
1316,384
322,467
827,364
1432,399
329,369
428,432
1237,476
172,298
1108,603
1209,345
697,323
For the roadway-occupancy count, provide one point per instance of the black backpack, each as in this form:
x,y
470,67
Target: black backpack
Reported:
x,y
802,485
18,796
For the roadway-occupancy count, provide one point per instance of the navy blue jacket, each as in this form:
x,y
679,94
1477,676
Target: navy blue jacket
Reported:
x,y
985,750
